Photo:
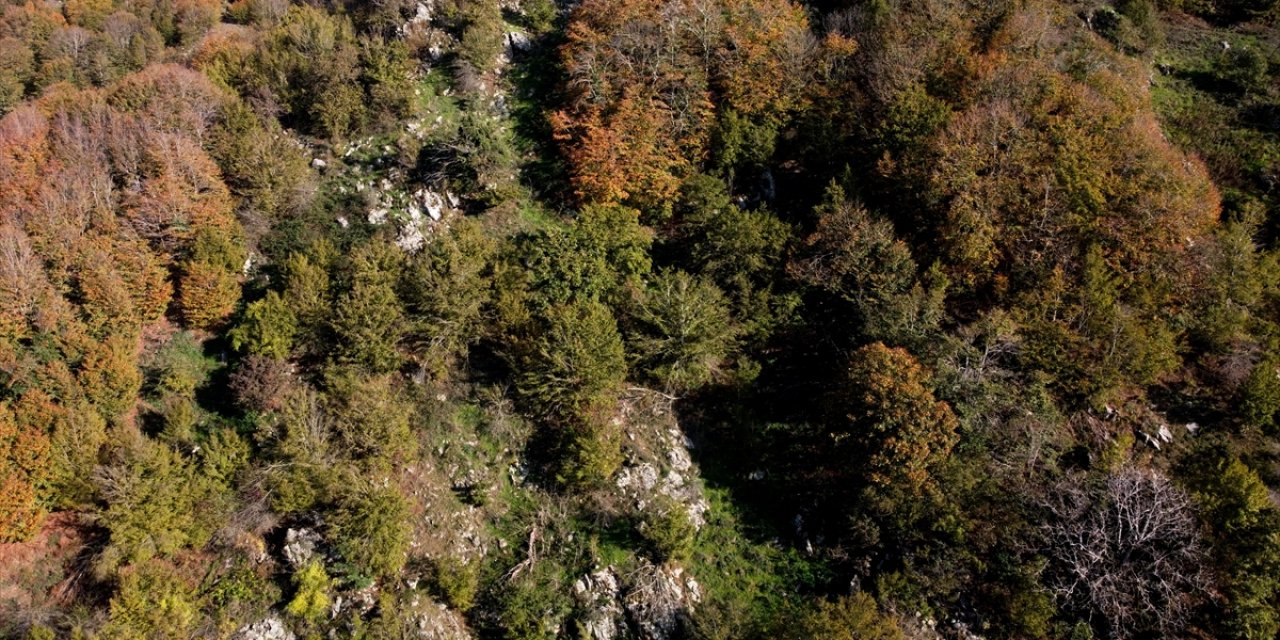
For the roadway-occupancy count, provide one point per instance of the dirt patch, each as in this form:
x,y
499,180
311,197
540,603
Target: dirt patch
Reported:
x,y
40,571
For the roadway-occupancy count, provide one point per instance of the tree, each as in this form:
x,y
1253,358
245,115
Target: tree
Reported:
x,y
854,617
367,324
24,457
576,361
207,294
857,257
152,601
445,288
306,293
604,253
369,527
155,504
259,383
110,376
1126,552
369,418
1236,505
685,330
311,585
267,328
894,421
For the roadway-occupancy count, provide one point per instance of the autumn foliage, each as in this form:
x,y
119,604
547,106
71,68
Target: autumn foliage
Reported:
x,y
645,79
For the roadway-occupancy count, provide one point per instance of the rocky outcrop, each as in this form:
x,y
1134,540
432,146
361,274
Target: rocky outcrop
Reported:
x,y
657,463
659,599
271,628
599,597
300,546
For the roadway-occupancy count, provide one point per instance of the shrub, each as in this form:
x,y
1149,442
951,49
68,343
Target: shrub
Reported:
x,y
369,527
311,585
667,529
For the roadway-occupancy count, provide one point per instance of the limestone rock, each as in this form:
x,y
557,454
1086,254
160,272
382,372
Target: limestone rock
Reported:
x,y
271,628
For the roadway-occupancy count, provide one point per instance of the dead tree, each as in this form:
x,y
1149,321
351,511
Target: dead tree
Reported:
x,y
1126,552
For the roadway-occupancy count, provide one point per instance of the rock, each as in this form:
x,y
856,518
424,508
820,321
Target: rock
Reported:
x,y
267,629
518,41
318,163
437,622
657,460
597,594
659,599
300,546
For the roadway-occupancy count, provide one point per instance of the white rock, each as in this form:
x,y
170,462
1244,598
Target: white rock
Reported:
x,y
267,629
300,546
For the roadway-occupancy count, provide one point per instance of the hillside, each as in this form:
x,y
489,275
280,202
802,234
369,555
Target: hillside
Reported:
x,y
639,319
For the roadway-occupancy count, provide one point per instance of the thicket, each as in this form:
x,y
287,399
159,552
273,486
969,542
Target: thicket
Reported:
x,y
671,318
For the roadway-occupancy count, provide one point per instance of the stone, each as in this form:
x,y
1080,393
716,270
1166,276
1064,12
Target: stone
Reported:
x,y
300,546
266,629
597,593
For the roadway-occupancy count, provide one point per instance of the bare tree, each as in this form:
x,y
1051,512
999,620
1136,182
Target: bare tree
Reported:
x,y
1126,552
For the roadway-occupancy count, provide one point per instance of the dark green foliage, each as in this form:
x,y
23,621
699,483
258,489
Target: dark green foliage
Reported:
x,y
369,528
741,251
1243,67
576,362
446,287
533,605
684,331
1246,524
668,530
599,257
854,617
458,582
368,320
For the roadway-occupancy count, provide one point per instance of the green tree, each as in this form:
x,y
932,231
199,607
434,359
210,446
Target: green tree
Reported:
x,y
577,360
854,617
311,584
152,601
685,330
267,328
1236,504
156,504
445,288
369,527
368,417
367,326
603,254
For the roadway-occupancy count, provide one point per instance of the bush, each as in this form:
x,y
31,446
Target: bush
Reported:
x,y
156,505
1243,67
152,601
668,531
590,449
577,362
854,617
457,581
534,604
311,585
369,527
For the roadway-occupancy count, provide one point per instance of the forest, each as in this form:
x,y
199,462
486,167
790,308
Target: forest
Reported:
x,y
640,319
